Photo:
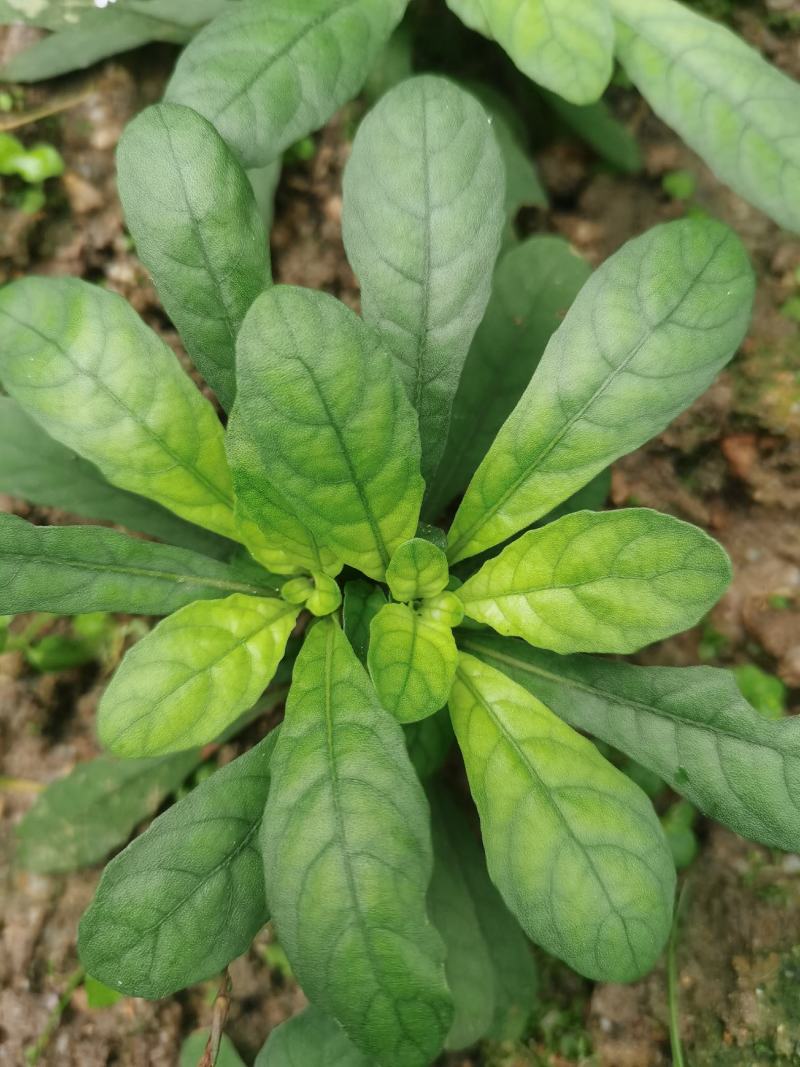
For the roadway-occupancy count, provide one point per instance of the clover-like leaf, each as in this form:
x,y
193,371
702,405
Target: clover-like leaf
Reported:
x,y
422,219
74,569
186,897
647,334
725,100
310,1039
417,569
574,846
81,363
335,436
690,725
268,74
600,582
194,674
412,662
361,603
198,230
568,48
347,856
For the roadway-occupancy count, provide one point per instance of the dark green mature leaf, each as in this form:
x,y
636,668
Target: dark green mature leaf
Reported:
x,y
81,362
428,742
533,287
198,230
647,334
194,1046
336,438
194,674
74,569
82,817
611,581
310,1039
36,468
266,75
572,844
690,725
186,897
731,106
422,220
347,857
362,602
597,126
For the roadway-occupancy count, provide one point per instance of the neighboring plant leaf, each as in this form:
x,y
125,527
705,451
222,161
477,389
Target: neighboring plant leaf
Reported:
x,y
428,742
348,860
310,1039
186,897
193,215
362,602
70,570
689,725
267,75
593,882
194,1046
731,106
193,675
417,569
411,661
533,287
596,125
647,334
333,430
422,221
82,363
566,48
36,468
79,819
610,581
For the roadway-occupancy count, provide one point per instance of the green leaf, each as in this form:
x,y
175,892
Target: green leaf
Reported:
x,y
73,569
347,857
81,363
428,742
533,287
689,725
417,569
98,995
264,183
82,817
332,431
647,334
412,662
574,846
266,76
186,897
471,14
194,674
610,581
596,125
490,969
422,220
36,468
193,215
362,602
310,1039
194,1046
731,106
568,49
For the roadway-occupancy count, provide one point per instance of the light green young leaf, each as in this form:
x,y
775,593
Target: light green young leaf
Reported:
x,y
417,569
36,468
198,230
572,844
74,569
335,436
82,817
610,581
412,662
81,362
422,220
267,75
533,287
362,602
596,125
186,897
310,1039
348,860
564,47
428,742
731,106
194,1046
194,674
690,725
647,334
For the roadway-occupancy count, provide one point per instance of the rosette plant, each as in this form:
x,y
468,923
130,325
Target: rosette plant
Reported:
x,y
323,500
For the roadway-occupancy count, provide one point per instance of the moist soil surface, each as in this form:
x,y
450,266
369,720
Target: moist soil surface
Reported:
x,y
730,464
